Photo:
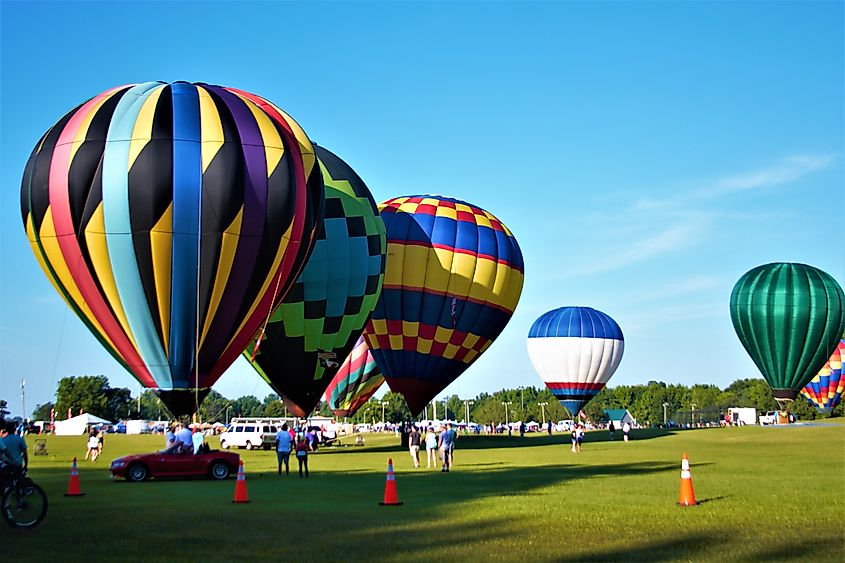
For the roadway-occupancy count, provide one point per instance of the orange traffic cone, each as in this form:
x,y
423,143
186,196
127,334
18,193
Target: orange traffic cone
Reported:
x,y
390,496
687,494
240,486
73,484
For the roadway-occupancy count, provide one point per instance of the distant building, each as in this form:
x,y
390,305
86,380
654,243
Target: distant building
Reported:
x,y
619,417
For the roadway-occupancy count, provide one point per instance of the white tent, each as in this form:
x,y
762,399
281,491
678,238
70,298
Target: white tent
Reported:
x,y
77,425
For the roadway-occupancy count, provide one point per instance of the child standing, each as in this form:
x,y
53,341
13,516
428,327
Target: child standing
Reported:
x,y
302,448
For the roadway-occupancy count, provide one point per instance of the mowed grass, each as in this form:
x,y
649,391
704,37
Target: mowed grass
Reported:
x,y
770,494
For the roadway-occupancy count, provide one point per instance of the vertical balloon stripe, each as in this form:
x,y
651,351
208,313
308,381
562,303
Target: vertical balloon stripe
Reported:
x,y
211,128
95,240
118,228
142,130
228,248
161,243
187,186
68,243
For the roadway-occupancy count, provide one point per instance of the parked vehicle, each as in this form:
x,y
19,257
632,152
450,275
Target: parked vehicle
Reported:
x,y
564,425
770,417
249,435
174,462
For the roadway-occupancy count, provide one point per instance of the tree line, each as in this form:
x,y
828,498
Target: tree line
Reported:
x,y
649,403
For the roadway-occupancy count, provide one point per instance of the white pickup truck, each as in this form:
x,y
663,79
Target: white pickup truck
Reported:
x,y
249,436
770,417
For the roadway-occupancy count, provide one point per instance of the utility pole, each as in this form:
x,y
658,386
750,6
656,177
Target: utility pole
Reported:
x,y
434,404
383,404
665,405
23,398
506,403
543,408
467,403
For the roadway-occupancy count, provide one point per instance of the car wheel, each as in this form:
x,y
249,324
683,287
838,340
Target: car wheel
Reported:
x,y
249,445
223,444
266,446
219,470
137,472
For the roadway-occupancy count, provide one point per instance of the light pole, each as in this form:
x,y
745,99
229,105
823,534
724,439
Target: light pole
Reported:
x,y
23,399
543,408
446,409
692,413
229,406
467,403
506,403
665,406
521,402
383,404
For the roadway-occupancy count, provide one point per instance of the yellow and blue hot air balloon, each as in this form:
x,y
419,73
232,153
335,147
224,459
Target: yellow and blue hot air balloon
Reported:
x,y
825,390
453,279
171,218
318,322
575,350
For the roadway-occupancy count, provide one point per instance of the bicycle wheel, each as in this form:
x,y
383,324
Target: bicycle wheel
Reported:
x,y
24,505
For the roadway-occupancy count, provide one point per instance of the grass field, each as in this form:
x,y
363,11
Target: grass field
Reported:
x,y
767,494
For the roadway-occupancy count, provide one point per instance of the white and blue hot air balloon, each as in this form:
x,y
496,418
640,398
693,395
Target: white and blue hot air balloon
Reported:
x,y
575,350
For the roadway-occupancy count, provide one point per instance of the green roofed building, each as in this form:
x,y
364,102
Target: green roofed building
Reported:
x,y
619,417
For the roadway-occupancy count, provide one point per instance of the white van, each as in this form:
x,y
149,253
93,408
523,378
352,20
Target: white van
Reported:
x,y
249,435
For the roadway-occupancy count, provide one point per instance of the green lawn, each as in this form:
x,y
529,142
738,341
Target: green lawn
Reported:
x,y
770,494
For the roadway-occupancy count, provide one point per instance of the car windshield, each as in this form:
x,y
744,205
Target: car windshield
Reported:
x,y
174,449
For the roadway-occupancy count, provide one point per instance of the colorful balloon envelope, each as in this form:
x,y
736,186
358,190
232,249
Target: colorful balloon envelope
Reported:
x,y
453,279
789,318
825,390
317,324
575,350
170,217
355,382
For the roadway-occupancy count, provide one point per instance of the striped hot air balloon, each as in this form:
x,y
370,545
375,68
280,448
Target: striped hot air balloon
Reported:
x,y
356,381
825,390
171,218
575,350
789,318
317,324
453,278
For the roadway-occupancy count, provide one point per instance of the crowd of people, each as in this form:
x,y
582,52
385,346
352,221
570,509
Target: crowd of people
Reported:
x,y
438,445
300,441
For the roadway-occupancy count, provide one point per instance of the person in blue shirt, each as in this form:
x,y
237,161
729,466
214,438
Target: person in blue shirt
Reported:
x,y
284,444
14,451
186,437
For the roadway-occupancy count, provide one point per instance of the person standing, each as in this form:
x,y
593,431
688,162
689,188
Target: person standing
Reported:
x,y
445,447
579,436
100,440
521,429
574,438
93,446
414,445
302,455
284,443
453,439
431,448
612,430
550,427
626,429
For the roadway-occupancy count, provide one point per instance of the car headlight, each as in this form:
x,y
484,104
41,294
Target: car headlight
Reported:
x,y
118,463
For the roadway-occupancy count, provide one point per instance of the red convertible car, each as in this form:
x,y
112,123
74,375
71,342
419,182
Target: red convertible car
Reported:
x,y
173,462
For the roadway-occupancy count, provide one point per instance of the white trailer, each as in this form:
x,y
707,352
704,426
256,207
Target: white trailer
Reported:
x,y
743,415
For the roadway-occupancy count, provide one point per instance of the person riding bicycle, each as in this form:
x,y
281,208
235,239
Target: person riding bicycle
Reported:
x,y
13,449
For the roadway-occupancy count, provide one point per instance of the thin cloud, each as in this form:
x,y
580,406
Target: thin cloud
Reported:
x,y
785,171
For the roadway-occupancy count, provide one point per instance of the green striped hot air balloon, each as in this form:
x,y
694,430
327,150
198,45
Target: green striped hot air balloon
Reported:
x,y
789,318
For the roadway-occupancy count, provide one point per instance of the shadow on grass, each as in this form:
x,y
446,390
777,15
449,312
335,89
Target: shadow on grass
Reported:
x,y
662,550
493,441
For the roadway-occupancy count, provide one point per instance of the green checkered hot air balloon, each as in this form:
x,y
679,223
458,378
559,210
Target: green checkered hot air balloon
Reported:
x,y
789,318
317,324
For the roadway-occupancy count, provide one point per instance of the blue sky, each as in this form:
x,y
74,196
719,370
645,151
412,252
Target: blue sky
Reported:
x,y
645,155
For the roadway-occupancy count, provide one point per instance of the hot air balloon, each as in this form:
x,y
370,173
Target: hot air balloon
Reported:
x,y
575,350
355,382
453,278
317,324
171,218
789,318
825,390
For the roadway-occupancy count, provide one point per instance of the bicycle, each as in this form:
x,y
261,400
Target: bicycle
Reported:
x,y
23,504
